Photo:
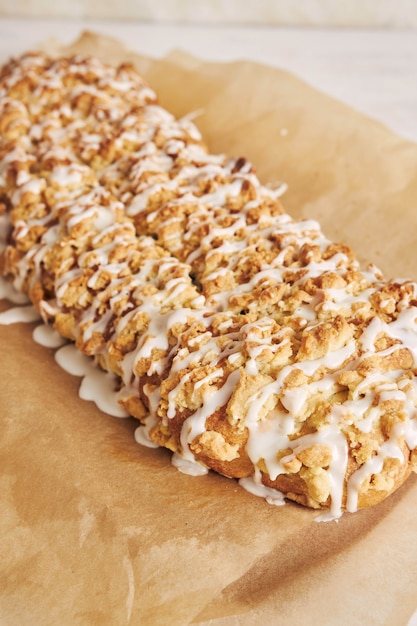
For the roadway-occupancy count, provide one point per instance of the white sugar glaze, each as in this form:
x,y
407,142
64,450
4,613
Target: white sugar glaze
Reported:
x,y
96,385
142,433
46,336
24,314
253,485
188,466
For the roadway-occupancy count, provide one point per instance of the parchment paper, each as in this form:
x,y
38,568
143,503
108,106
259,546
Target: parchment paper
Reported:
x,y
98,530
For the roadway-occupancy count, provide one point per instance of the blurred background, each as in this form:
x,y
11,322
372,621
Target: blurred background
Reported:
x,y
362,52
351,13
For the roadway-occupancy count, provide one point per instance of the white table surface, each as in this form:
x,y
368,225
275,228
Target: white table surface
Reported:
x,y
374,71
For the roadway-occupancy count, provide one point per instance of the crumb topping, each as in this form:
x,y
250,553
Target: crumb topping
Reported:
x,y
255,345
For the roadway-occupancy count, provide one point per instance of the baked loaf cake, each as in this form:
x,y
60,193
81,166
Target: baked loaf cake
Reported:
x,y
244,341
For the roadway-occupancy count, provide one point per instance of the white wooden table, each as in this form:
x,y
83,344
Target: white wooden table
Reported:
x,y
374,71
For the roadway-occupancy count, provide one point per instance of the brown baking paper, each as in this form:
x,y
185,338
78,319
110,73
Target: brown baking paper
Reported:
x,y
98,530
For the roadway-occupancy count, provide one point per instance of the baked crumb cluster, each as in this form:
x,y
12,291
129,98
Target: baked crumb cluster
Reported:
x,y
244,341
